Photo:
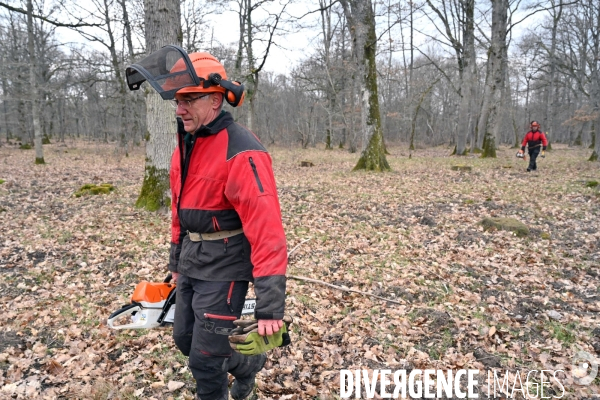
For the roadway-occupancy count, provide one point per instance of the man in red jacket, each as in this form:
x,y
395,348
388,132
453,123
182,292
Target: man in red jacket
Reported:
x,y
534,140
226,232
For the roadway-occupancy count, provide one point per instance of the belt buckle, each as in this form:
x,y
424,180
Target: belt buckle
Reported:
x,y
195,236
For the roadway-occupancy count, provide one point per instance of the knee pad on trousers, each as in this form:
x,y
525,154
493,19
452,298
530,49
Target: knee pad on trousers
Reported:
x,y
211,380
241,366
205,362
184,343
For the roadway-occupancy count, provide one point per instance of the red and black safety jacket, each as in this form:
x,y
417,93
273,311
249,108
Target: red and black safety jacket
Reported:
x,y
534,139
222,179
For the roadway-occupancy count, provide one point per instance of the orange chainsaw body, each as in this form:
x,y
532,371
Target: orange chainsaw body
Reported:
x,y
151,292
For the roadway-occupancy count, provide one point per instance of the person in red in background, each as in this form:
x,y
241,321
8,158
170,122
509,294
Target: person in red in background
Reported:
x,y
535,140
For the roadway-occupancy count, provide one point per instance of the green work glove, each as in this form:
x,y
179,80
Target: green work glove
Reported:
x,y
246,340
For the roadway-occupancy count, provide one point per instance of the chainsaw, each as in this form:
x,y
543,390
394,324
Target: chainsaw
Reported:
x,y
522,156
153,305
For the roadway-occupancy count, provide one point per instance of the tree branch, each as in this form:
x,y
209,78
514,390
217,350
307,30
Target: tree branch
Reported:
x,y
343,289
42,18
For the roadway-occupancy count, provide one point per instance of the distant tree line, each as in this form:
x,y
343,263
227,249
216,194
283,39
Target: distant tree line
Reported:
x,y
448,72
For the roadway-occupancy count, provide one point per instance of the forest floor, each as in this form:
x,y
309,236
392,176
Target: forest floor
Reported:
x,y
464,298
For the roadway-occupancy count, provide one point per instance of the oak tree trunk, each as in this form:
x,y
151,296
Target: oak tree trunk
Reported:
x,y
33,88
465,116
163,26
489,125
361,18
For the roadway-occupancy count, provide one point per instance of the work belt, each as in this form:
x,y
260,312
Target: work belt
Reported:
x,y
198,237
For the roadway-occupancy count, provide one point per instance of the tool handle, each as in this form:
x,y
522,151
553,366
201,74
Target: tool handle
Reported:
x,y
125,310
167,306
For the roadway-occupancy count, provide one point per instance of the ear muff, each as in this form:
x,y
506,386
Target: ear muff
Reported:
x,y
234,92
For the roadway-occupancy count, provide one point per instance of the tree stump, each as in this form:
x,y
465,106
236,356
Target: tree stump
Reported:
x,y
505,224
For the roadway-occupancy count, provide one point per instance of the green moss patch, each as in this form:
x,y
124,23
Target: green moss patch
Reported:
x,y
154,190
505,224
25,146
591,184
2,181
91,189
373,158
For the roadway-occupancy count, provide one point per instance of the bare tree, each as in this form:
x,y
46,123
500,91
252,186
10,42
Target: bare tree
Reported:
x,y
497,52
162,19
251,33
594,28
361,19
556,14
33,73
33,86
458,20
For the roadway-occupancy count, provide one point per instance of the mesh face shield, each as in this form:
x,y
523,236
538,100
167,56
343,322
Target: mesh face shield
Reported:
x,y
166,70
170,69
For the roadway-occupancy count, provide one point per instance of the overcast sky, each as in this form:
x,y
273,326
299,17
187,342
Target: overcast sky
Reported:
x,y
300,44
295,45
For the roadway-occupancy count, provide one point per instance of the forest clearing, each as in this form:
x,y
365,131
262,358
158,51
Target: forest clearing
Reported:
x,y
463,297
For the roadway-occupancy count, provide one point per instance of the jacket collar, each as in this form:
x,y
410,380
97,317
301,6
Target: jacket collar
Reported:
x,y
223,120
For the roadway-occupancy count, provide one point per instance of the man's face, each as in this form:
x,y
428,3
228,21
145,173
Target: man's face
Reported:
x,y
195,109
534,128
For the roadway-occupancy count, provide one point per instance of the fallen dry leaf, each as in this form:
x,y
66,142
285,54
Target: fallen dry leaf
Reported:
x,y
174,385
469,298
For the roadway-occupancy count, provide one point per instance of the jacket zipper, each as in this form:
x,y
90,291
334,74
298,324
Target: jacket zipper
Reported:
x,y
184,164
229,296
260,186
